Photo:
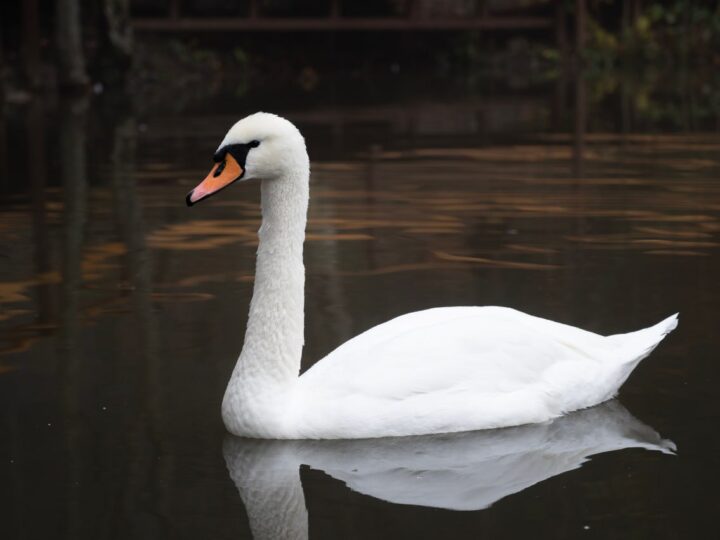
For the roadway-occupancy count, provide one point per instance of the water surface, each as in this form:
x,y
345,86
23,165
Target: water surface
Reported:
x,y
122,311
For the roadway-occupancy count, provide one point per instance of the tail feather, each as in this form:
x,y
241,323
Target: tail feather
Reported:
x,y
641,343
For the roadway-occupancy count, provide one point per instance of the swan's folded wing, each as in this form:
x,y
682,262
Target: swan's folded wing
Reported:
x,y
492,349
488,360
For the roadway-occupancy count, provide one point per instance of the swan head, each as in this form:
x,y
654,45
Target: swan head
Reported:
x,y
261,146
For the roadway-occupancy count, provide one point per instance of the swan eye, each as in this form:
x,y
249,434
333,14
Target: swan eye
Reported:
x,y
220,168
254,144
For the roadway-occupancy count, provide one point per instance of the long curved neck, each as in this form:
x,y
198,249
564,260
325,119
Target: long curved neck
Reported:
x,y
269,364
274,336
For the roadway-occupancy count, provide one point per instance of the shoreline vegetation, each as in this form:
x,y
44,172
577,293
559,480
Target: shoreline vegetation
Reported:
x,y
662,61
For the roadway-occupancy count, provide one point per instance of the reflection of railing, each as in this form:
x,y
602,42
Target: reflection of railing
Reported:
x,y
473,16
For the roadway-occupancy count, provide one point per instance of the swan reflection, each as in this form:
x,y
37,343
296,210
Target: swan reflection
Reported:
x,y
462,471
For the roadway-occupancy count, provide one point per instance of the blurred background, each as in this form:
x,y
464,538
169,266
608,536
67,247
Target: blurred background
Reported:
x,y
560,157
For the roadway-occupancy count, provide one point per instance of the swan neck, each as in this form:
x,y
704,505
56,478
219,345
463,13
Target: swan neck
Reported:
x,y
269,364
274,336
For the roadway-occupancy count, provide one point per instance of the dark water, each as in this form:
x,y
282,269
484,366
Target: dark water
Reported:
x,y
122,313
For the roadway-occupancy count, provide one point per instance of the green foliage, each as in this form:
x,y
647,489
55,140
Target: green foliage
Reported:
x,y
664,65
667,32
603,48
683,98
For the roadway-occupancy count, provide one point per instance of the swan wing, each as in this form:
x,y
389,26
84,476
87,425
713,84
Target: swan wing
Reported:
x,y
442,367
498,349
463,368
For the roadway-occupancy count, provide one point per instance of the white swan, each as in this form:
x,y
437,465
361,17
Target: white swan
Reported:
x,y
441,370
461,471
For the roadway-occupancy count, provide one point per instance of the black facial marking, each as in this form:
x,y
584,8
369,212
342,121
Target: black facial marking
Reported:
x,y
220,168
238,151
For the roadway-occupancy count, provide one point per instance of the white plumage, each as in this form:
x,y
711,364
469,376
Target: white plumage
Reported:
x,y
464,368
441,370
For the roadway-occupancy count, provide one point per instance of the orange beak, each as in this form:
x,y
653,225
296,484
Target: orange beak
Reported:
x,y
220,176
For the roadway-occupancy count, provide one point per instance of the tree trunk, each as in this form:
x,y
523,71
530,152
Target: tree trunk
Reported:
x,y
116,42
69,42
31,42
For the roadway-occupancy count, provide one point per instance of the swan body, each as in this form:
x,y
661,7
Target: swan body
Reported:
x,y
463,368
435,371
